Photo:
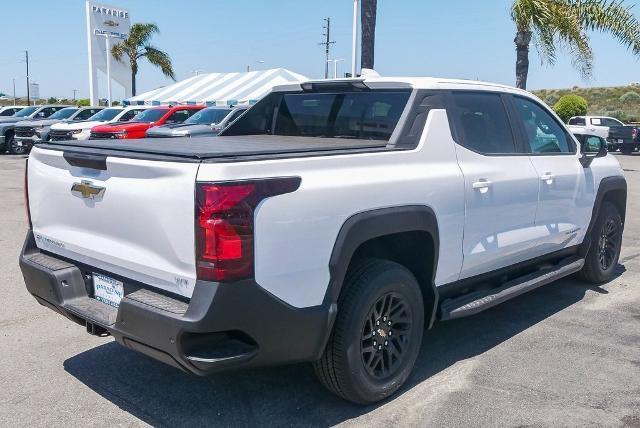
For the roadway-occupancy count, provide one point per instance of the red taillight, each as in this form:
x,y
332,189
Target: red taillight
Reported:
x,y
26,192
224,225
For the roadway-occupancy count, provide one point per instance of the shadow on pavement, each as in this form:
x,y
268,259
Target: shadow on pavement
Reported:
x,y
163,396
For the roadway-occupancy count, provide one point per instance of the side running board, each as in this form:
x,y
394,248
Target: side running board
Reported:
x,y
473,303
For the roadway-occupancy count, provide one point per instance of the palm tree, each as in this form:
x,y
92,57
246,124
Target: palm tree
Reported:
x,y
368,10
550,24
137,46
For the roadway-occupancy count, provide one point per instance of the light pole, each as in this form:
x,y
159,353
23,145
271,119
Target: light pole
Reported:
x,y
354,40
107,44
74,94
335,66
14,91
257,62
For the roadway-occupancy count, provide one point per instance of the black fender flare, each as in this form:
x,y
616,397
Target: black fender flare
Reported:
x,y
607,184
367,225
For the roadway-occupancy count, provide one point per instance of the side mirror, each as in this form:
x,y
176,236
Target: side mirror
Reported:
x,y
592,147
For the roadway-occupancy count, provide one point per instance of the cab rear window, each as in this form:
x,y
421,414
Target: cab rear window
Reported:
x,y
367,115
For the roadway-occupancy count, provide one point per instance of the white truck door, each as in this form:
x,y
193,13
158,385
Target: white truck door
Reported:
x,y
567,190
501,185
596,126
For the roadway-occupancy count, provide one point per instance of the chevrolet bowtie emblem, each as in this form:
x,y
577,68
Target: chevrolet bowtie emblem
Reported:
x,y
85,189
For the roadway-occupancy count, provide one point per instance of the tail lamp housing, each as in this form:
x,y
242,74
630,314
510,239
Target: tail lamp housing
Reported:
x,y
225,225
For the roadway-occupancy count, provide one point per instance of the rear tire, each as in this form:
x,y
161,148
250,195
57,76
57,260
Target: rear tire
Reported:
x,y
626,150
606,241
381,303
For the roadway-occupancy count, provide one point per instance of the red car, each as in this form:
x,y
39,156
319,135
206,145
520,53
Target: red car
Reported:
x,y
137,127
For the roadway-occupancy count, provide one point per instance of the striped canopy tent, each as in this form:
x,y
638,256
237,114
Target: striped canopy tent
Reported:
x,y
222,89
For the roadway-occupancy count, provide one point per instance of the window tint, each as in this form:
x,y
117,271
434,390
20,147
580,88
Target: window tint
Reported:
x,y
483,122
606,121
368,115
151,115
542,132
86,114
128,115
46,112
578,121
8,112
64,113
180,116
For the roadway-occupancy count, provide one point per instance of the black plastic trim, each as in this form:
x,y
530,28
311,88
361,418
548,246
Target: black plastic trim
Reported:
x,y
368,225
607,184
225,326
86,160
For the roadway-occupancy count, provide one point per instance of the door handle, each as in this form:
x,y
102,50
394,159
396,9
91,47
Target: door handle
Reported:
x,y
547,177
482,185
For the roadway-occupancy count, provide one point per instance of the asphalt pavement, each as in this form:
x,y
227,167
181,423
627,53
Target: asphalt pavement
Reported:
x,y
567,354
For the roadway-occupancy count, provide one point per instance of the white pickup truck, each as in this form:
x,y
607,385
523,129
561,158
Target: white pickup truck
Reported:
x,y
332,223
618,135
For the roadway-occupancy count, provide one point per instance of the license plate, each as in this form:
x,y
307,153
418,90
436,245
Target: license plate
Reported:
x,y
620,141
107,290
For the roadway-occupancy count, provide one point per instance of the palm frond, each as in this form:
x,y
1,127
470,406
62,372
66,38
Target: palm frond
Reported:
x,y
160,59
612,17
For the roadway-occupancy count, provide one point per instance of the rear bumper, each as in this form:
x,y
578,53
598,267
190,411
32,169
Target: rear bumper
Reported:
x,y
223,326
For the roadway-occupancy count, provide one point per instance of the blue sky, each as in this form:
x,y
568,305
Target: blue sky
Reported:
x,y
454,38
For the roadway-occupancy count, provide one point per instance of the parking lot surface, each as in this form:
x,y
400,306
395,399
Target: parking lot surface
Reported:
x,y
567,354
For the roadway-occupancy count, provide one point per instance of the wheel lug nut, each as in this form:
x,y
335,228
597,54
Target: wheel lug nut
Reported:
x,y
386,342
373,333
375,343
380,348
390,332
389,323
378,322
384,319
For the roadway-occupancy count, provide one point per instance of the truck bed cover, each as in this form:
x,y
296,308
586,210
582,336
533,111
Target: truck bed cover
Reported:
x,y
219,148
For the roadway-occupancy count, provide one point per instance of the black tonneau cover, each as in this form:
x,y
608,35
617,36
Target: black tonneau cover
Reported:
x,y
219,148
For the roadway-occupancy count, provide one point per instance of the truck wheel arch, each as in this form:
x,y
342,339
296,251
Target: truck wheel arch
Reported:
x,y
368,226
614,190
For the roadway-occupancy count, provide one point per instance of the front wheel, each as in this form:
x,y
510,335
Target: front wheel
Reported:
x,y
377,333
606,241
16,149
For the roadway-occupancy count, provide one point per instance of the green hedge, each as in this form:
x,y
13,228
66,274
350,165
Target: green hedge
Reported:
x,y
569,106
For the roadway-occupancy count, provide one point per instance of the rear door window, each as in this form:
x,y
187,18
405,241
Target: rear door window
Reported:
x,y
367,115
577,121
482,123
606,121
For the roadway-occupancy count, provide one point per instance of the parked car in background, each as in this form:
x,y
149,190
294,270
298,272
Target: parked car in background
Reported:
x,y
619,136
7,124
207,122
138,126
28,133
10,110
331,223
81,130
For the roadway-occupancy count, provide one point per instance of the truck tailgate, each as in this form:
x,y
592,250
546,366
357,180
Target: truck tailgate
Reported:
x,y
621,133
141,227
